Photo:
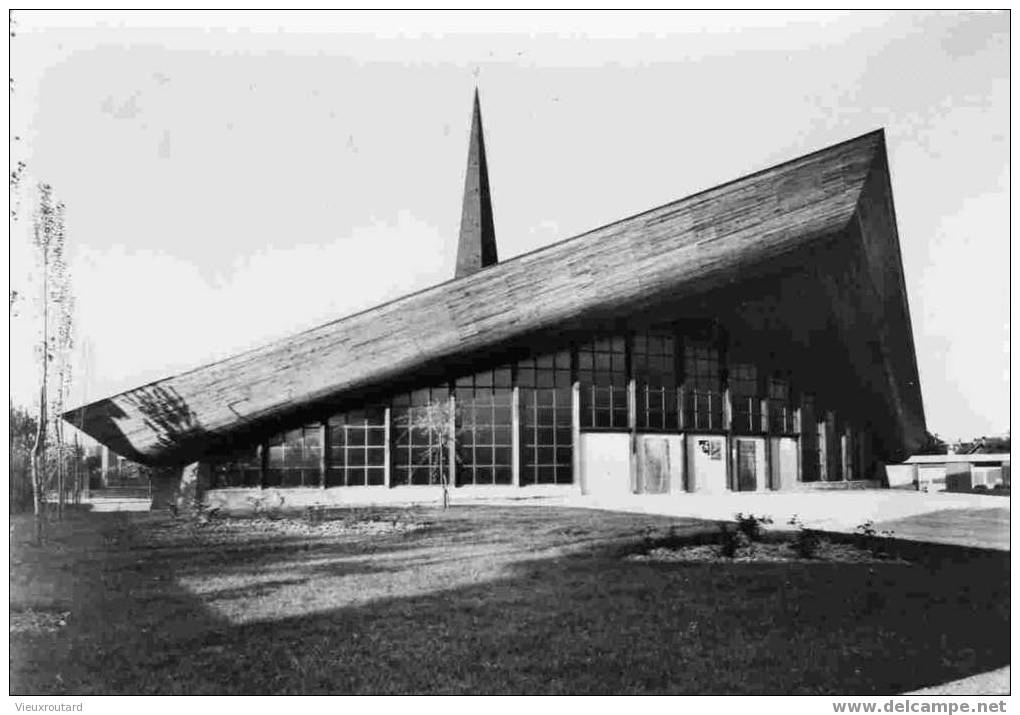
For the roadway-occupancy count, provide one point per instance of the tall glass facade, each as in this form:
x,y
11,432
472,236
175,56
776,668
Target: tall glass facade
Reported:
x,y
743,380
484,427
602,373
294,457
515,423
357,448
238,467
656,382
419,445
545,395
703,396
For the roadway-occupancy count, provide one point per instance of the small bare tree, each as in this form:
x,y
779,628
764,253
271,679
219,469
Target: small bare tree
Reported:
x,y
436,424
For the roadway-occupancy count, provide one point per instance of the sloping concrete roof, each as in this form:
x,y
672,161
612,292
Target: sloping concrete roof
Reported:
x,y
710,240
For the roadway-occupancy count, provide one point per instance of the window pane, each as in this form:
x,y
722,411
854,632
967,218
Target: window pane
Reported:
x,y
350,431
545,417
503,456
483,420
276,456
290,478
251,477
376,477
237,466
603,381
701,361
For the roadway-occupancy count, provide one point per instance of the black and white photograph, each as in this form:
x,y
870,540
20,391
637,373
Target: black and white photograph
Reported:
x,y
487,353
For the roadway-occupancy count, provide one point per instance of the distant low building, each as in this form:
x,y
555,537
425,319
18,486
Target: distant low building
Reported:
x,y
951,472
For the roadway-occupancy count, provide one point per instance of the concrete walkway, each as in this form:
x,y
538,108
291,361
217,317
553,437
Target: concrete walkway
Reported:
x,y
117,503
962,519
994,682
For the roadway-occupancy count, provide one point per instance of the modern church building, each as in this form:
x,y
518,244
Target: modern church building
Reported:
x,y
755,336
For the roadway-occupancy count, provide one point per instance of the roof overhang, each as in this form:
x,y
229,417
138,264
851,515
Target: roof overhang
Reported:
x,y
700,243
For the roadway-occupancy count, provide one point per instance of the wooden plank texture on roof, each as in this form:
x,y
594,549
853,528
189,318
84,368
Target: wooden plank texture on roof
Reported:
x,y
691,244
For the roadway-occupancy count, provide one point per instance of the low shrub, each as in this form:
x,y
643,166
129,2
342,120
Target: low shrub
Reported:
x,y
205,513
807,542
871,539
732,541
315,514
752,525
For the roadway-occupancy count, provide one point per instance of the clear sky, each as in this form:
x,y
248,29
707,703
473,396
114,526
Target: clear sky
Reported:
x,y
235,177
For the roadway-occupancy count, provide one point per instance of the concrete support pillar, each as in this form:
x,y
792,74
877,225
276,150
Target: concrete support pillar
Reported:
x,y
635,479
451,446
847,449
164,483
104,466
179,489
575,436
771,477
681,406
323,453
515,435
193,485
731,444
387,460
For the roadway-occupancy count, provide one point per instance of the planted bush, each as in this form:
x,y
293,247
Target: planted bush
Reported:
x,y
870,538
732,541
315,514
752,525
806,542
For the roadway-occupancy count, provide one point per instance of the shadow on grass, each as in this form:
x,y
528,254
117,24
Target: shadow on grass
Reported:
x,y
542,606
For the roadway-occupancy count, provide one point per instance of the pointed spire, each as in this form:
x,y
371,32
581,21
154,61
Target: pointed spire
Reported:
x,y
476,248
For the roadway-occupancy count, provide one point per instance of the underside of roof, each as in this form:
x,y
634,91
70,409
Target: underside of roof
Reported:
x,y
711,241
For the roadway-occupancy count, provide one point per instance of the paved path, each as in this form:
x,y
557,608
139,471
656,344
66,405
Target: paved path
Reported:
x,y
118,503
994,682
962,519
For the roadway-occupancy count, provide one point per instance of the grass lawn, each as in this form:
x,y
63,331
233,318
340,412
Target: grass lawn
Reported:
x,y
975,527
484,600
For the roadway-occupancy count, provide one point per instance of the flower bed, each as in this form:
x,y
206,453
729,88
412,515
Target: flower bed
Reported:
x,y
774,552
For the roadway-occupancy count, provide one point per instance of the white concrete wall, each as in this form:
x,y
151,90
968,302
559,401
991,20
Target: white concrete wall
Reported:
x,y
707,464
901,475
605,463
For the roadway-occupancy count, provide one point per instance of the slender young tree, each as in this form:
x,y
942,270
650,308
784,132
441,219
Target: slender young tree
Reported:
x,y
437,424
54,336
63,343
39,447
